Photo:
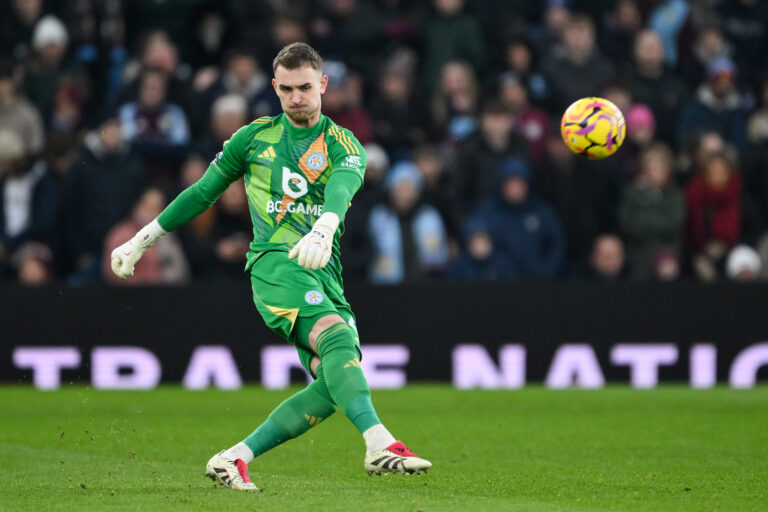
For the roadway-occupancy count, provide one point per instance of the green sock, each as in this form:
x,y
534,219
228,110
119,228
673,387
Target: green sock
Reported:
x,y
346,382
293,417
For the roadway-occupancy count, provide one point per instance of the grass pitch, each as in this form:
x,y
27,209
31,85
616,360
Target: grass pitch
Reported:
x,y
615,449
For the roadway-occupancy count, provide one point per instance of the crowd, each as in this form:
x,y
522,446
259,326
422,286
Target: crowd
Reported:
x,y
109,108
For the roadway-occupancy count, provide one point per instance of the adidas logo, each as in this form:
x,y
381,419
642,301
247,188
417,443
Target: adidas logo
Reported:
x,y
352,362
313,420
268,153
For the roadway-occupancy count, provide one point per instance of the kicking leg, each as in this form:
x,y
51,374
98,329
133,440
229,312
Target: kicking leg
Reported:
x,y
335,342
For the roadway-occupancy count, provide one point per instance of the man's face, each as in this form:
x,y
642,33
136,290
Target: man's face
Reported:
x,y
152,90
111,135
608,256
495,124
649,50
515,190
579,39
226,123
243,68
299,91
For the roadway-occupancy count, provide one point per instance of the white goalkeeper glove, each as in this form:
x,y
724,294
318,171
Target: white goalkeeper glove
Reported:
x,y
314,250
124,258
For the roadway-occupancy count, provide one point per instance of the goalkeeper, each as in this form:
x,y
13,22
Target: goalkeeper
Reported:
x,y
300,171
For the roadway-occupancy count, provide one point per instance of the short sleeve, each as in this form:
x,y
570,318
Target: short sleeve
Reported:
x,y
345,152
230,161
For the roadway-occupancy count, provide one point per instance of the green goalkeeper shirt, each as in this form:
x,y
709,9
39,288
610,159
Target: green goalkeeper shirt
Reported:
x,y
292,175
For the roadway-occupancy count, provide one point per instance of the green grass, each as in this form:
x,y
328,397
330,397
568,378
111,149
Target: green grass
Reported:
x,y
615,449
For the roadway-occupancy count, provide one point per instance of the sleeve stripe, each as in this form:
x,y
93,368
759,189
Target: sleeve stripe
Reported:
x,y
344,140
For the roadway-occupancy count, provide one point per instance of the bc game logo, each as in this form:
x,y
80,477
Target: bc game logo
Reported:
x,y
294,184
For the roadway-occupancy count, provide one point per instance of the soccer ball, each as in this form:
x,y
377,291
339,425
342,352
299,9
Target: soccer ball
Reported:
x,y
593,127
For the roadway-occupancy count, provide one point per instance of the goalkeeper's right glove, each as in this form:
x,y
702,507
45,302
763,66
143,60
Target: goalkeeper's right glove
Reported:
x,y
124,258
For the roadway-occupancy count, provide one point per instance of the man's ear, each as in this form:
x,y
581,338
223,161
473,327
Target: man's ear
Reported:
x,y
323,83
274,84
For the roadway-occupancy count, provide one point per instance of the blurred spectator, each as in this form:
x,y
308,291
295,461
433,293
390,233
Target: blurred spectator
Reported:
x,y
762,251
195,234
156,128
158,52
408,236
28,200
580,195
162,264
618,93
67,109
451,35
244,76
717,106
481,155
341,101
211,35
641,125
332,27
216,244
398,115
698,149
454,102
710,44
743,264
549,37
525,229
714,215
519,57
652,212
355,244
666,266
16,113
668,18
439,185
97,44
581,69
232,232
607,263
17,25
100,190
641,128
228,114
61,151
529,122
480,260
620,27
286,27
744,23
654,84
34,264
48,65
756,161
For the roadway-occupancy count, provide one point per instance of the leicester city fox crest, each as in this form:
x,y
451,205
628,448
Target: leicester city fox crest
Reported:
x,y
316,161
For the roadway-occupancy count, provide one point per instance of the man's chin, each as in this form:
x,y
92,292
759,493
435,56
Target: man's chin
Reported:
x,y
300,116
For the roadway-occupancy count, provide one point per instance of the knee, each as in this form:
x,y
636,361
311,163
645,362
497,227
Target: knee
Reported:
x,y
322,325
338,336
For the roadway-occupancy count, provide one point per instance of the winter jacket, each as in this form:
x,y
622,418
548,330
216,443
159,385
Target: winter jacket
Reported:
x,y
651,219
712,214
529,236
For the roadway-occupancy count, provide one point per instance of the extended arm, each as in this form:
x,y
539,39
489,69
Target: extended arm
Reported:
x,y
226,168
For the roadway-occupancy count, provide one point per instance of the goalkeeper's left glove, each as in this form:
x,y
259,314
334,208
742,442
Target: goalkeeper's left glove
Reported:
x,y
124,258
314,250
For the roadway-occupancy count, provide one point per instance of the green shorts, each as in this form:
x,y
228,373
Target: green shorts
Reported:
x,y
291,299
